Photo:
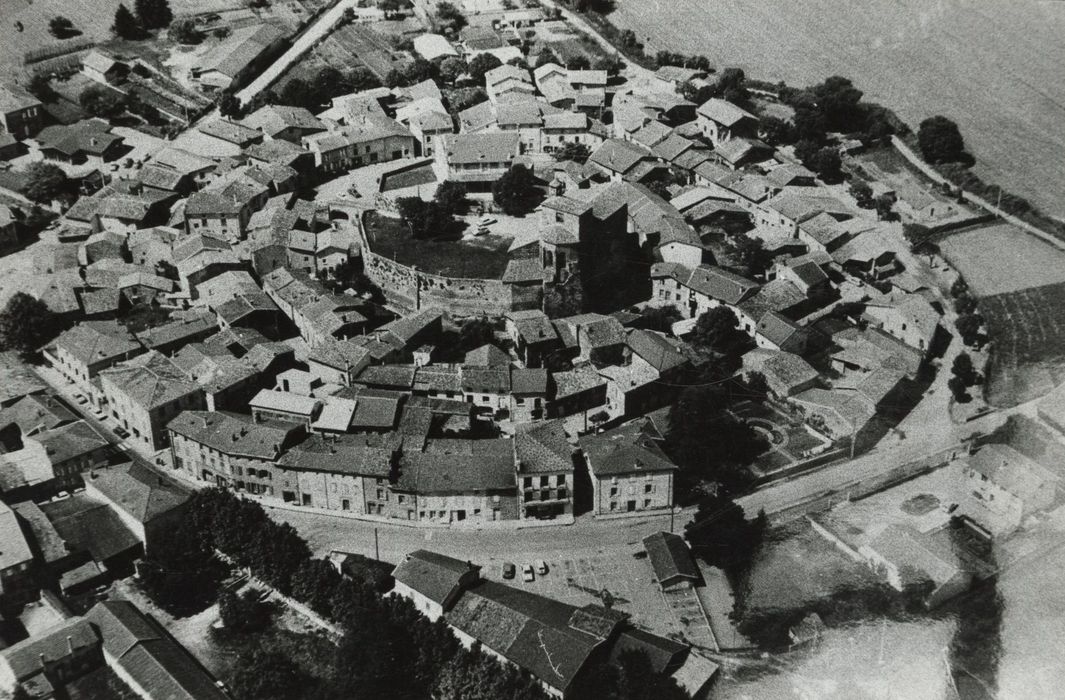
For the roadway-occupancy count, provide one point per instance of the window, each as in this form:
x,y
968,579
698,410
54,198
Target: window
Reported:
x,y
545,480
560,480
613,505
399,498
648,488
647,503
306,499
613,490
380,494
345,504
559,218
528,482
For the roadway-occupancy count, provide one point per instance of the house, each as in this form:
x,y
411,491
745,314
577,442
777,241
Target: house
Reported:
x,y
693,291
89,141
457,481
369,139
908,317
865,255
578,391
146,657
671,561
431,130
231,450
52,461
17,584
145,393
433,582
906,558
533,335
242,54
82,352
433,46
625,160
630,474
40,666
147,502
9,229
529,391
271,405
103,68
1004,488
508,83
478,160
543,459
487,388
20,112
338,361
785,373
721,121
283,122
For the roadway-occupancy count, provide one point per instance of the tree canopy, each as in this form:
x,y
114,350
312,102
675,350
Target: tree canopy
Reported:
x,y
103,102
451,196
267,675
243,613
61,27
153,14
185,31
126,25
721,535
450,17
719,330
26,324
425,219
481,64
577,152
515,190
45,182
940,140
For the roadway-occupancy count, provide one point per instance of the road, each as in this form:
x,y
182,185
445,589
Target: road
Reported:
x,y
586,536
304,43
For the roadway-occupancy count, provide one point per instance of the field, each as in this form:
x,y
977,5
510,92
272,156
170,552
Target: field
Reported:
x,y
347,48
999,259
1020,282
93,18
994,67
1027,328
484,258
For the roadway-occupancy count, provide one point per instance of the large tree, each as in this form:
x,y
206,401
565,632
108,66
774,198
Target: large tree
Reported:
x,y
630,677
940,140
718,330
153,14
425,219
267,675
451,196
577,152
26,324
126,25
45,182
481,64
103,102
61,27
515,190
450,17
721,534
243,613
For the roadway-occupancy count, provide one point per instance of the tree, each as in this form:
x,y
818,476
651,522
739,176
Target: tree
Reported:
x,y
481,64
315,583
963,369
964,304
862,193
958,389
751,253
425,219
476,332
267,675
362,78
657,318
153,14
577,152
514,191
243,613
826,163
298,93
61,28
229,106
611,64
45,182
885,208
126,25
103,102
776,131
184,31
968,326
917,235
561,300
391,7
707,442
718,330
721,534
579,62
26,324
450,16
451,69
451,196
546,56
631,677
959,288
838,101
940,140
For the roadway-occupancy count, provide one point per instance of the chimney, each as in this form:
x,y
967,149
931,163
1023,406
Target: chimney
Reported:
x,y
70,644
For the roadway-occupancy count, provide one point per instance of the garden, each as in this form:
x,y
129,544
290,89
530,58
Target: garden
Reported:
x,y
481,257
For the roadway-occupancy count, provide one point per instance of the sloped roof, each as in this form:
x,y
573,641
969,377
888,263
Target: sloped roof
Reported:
x,y
234,434
435,576
144,494
543,448
670,557
724,112
626,449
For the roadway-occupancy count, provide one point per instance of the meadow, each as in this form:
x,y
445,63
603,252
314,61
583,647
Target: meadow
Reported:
x,y
994,67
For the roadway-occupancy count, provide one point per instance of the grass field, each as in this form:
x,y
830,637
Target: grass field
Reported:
x,y
994,67
1027,330
347,48
485,258
1000,259
1020,282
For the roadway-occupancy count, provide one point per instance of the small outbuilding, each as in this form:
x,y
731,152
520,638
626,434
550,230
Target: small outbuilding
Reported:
x,y
672,561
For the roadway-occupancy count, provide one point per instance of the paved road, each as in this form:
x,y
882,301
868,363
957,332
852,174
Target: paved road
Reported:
x,y
325,533
304,43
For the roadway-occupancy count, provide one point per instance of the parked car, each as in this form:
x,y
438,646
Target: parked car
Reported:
x,y
541,566
80,399
508,570
527,574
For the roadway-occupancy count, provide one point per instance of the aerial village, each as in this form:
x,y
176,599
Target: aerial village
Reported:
x,y
474,293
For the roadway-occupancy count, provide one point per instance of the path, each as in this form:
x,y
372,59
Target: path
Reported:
x,y
633,71
304,43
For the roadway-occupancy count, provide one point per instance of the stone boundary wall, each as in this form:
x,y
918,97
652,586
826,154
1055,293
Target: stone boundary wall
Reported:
x,y
411,290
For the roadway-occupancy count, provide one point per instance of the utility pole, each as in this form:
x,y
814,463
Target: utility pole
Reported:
x,y
672,508
376,546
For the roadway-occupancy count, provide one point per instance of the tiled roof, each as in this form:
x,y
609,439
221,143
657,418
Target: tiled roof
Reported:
x,y
90,342
543,448
724,112
142,493
344,454
234,434
435,576
31,656
670,557
150,381
483,148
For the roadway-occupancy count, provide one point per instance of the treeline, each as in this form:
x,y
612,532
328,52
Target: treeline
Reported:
x,y
388,649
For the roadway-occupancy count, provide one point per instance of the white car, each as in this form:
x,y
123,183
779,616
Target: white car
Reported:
x,y
527,573
541,566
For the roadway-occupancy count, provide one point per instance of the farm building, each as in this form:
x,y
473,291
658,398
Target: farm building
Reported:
x,y
243,53
671,561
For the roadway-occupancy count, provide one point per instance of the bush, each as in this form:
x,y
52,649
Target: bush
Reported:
x,y
184,31
103,102
940,140
61,28
243,613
